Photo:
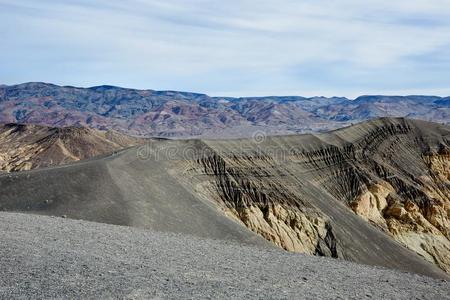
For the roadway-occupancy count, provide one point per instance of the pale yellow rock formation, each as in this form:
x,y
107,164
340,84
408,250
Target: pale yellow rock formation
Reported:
x,y
370,205
288,229
425,229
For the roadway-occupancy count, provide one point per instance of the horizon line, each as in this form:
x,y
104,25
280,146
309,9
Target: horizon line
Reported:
x,y
235,97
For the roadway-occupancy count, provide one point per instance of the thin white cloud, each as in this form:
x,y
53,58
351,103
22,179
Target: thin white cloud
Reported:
x,y
233,47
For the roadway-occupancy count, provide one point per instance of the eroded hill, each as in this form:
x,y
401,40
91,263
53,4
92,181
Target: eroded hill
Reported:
x,y
394,173
25,147
375,193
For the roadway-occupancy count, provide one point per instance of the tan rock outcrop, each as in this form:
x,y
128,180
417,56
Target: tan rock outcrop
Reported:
x,y
288,229
424,229
370,204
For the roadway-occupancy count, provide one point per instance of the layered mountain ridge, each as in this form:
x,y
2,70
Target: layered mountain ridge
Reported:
x,y
375,193
182,114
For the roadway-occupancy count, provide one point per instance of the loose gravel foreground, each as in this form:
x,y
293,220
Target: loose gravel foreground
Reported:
x,y
50,257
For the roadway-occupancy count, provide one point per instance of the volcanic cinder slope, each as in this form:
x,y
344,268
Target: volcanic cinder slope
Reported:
x,y
55,258
25,147
375,193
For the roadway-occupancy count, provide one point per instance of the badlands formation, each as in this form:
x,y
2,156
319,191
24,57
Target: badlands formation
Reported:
x,y
25,147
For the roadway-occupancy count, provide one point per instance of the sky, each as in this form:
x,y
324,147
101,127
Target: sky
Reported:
x,y
231,48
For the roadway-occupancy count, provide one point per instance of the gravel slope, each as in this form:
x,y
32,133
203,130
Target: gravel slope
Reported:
x,y
49,257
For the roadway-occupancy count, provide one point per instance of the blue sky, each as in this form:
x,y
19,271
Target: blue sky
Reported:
x,y
231,48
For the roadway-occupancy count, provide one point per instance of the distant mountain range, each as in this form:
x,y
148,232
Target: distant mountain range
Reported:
x,y
181,114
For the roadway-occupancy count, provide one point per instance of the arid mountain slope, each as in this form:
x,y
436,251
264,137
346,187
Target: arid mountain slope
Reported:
x,y
299,192
25,147
171,113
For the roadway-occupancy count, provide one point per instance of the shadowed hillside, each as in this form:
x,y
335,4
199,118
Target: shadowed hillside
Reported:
x,y
374,193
